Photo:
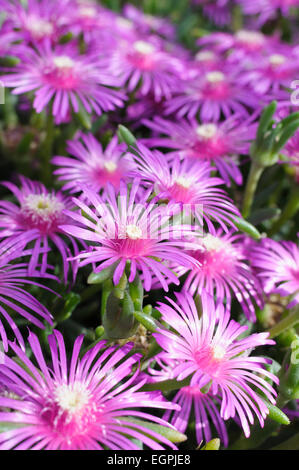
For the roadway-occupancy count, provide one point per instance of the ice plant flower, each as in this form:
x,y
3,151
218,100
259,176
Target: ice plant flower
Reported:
x,y
186,184
65,78
277,265
39,19
218,11
224,271
220,144
14,298
268,9
212,94
146,62
86,405
208,350
91,165
291,152
127,229
36,219
146,23
205,405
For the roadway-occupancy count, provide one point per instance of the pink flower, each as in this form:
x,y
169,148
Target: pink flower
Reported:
x,y
127,230
186,184
208,350
36,219
223,271
88,404
277,265
91,165
220,144
66,79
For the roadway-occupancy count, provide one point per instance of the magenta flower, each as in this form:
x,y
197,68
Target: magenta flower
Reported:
x,y
86,405
36,219
218,11
268,9
146,23
219,144
291,151
273,71
187,184
13,296
223,271
210,352
147,62
212,94
91,165
68,79
205,405
277,265
125,228
39,19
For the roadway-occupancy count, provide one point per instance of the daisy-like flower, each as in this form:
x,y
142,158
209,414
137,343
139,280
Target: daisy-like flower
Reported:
x,y
68,79
223,271
187,184
277,265
268,9
205,405
13,296
38,19
291,151
216,143
148,23
211,94
127,229
272,72
92,166
86,405
36,219
146,62
209,351
218,11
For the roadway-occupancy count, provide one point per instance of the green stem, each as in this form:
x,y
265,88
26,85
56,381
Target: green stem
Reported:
x,y
289,211
285,324
166,385
255,173
46,174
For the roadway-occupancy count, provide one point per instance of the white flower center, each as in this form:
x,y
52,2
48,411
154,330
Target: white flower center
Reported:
x,y
63,62
204,55
133,232
215,76
40,27
124,23
87,11
277,59
71,398
211,243
143,47
42,206
184,181
110,166
218,352
206,131
251,37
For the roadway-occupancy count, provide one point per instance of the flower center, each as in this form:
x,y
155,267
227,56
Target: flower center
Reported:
x,y
277,59
71,399
110,166
184,182
206,131
133,232
211,243
42,211
209,358
202,56
63,62
87,11
143,47
215,77
251,37
40,27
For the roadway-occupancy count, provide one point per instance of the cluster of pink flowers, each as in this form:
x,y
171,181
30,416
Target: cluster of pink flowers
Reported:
x,y
163,211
